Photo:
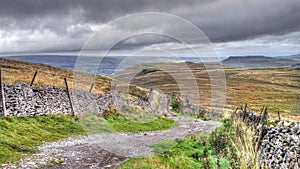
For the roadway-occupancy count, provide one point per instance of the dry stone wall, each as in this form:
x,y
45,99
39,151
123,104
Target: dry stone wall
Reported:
x,y
24,100
279,146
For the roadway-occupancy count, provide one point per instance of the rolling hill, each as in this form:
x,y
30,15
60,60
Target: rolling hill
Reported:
x,y
257,62
276,88
292,57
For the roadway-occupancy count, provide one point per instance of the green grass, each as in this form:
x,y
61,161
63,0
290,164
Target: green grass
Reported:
x,y
216,149
177,104
124,125
190,115
21,135
122,122
98,124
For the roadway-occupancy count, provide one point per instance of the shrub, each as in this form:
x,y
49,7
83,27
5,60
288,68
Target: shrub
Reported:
x,y
111,113
176,104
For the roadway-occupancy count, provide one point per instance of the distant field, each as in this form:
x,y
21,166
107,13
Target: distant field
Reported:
x,y
275,88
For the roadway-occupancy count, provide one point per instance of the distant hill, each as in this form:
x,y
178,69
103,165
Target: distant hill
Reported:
x,y
257,62
296,65
292,57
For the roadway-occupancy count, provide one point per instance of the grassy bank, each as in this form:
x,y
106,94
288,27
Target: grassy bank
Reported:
x,y
98,124
20,136
229,146
123,125
114,121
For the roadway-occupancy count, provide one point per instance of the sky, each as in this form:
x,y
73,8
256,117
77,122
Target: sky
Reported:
x,y
234,27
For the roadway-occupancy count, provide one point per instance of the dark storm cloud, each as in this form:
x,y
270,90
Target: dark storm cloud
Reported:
x,y
237,20
94,10
71,20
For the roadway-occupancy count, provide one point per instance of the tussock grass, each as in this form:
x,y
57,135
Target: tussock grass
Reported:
x,y
229,146
244,145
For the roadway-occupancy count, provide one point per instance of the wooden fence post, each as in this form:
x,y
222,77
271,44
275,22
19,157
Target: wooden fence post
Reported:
x,y
2,95
33,78
244,110
91,88
261,112
245,107
68,93
261,132
279,116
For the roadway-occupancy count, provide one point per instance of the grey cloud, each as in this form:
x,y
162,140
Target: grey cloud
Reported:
x,y
221,20
249,19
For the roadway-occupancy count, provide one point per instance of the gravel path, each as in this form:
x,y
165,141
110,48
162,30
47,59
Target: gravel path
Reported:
x,y
109,150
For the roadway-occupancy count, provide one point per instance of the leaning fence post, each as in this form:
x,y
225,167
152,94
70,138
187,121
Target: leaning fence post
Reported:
x,y
68,93
244,112
2,95
279,115
245,107
261,112
264,118
91,88
33,78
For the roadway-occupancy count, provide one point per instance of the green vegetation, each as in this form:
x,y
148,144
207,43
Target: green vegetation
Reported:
x,y
176,104
196,116
20,135
124,125
228,146
121,124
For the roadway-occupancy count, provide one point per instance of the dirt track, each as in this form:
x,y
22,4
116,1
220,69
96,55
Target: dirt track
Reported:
x,y
111,149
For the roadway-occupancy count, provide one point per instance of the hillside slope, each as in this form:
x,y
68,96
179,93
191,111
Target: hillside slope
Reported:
x,y
18,71
257,62
292,57
276,88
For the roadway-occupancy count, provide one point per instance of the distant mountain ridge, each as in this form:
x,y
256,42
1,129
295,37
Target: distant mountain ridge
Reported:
x,y
293,57
257,62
